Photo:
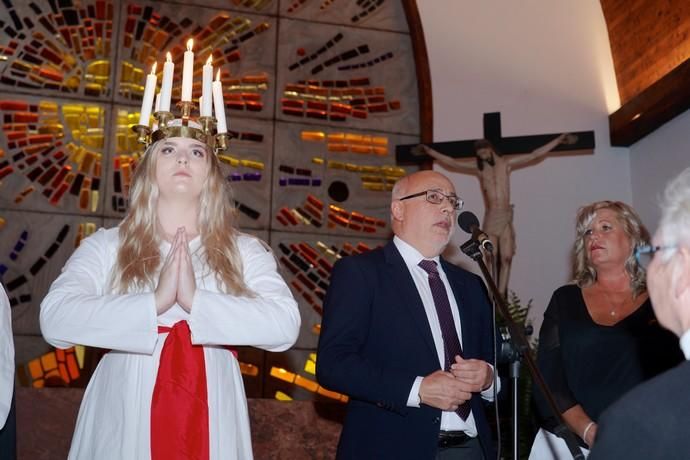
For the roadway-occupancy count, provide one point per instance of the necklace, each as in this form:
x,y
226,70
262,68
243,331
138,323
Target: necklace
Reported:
x,y
615,307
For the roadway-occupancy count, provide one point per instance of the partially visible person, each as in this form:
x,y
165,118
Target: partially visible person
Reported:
x,y
7,419
650,422
408,337
599,338
167,292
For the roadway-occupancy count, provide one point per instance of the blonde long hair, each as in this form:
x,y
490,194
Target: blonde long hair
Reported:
x,y
584,273
138,256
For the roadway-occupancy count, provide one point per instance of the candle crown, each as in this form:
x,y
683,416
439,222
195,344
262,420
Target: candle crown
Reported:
x,y
182,124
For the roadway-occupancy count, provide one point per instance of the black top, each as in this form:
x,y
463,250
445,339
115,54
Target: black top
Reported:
x,y
593,365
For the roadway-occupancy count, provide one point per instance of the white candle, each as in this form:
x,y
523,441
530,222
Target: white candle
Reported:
x,y
156,108
219,105
166,84
206,98
188,72
149,91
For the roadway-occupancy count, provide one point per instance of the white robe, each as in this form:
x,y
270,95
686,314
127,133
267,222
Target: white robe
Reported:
x,y
6,357
114,418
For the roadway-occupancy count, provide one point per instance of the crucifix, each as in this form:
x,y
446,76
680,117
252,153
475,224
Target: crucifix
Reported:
x,y
492,159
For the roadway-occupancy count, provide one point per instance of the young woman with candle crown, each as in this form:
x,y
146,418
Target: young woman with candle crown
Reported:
x,y
167,292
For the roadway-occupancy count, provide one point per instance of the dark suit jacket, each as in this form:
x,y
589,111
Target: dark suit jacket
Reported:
x,y
376,339
650,422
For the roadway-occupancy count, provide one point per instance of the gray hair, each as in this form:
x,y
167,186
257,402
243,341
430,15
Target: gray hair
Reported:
x,y
674,226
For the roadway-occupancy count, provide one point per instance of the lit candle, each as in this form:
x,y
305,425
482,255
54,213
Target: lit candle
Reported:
x,y
206,100
219,105
166,84
188,72
149,91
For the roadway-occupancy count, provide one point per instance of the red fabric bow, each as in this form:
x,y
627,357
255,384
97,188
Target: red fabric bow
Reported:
x,y
179,407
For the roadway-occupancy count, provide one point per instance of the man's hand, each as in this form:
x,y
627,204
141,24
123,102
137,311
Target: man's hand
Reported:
x,y
442,391
477,374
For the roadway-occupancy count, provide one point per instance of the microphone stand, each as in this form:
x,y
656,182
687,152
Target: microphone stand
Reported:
x,y
522,348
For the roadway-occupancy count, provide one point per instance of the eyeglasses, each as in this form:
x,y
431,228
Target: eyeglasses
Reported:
x,y
437,197
645,254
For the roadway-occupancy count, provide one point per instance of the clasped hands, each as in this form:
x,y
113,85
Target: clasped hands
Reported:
x,y
176,282
446,390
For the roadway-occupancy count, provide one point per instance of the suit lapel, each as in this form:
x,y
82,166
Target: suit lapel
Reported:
x,y
407,293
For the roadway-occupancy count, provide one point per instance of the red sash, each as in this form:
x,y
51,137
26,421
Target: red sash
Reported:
x,y
179,407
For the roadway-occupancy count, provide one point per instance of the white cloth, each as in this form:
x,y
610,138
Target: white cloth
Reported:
x,y
6,357
548,446
450,421
114,418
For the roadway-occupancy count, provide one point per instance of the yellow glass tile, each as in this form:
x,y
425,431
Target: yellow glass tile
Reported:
x,y
312,356
317,160
299,216
49,361
229,160
72,83
252,164
47,107
282,374
310,367
375,187
280,396
306,383
94,200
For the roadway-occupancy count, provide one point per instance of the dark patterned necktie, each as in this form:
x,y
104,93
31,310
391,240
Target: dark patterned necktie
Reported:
x,y
451,343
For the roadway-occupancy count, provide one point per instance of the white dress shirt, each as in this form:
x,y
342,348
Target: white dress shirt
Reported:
x,y
450,421
685,344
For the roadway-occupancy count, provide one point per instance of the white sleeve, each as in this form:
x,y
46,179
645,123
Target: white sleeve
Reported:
x,y
77,310
270,320
6,357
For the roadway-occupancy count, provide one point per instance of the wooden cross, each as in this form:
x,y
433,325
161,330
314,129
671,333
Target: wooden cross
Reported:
x,y
504,145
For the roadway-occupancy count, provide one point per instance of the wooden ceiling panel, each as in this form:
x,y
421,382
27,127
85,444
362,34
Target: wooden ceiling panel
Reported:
x,y
648,39
650,47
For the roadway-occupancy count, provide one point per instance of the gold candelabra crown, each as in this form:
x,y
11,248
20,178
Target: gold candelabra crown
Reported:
x,y
209,129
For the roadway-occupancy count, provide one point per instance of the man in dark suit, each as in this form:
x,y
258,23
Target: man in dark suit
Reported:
x,y
650,422
408,337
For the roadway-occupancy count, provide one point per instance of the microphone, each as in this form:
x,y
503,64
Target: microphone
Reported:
x,y
470,224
